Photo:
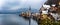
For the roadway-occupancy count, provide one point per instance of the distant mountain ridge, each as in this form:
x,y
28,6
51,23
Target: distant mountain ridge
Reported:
x,y
18,11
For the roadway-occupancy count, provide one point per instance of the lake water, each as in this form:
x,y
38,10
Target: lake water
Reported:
x,y
14,19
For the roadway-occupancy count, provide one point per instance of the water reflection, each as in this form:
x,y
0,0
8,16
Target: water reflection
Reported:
x,y
14,19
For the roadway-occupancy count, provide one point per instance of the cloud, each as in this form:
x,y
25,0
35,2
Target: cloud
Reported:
x,y
14,8
33,3
16,4
1,3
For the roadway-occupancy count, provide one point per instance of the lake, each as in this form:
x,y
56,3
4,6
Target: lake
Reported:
x,y
14,19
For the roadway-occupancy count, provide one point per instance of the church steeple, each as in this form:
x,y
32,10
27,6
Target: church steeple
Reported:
x,y
30,8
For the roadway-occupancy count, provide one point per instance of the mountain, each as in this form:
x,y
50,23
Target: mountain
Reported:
x,y
17,11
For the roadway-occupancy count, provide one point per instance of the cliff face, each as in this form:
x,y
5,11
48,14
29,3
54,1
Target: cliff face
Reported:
x,y
49,2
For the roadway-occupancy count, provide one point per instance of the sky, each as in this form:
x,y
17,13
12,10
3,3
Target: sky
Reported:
x,y
17,4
